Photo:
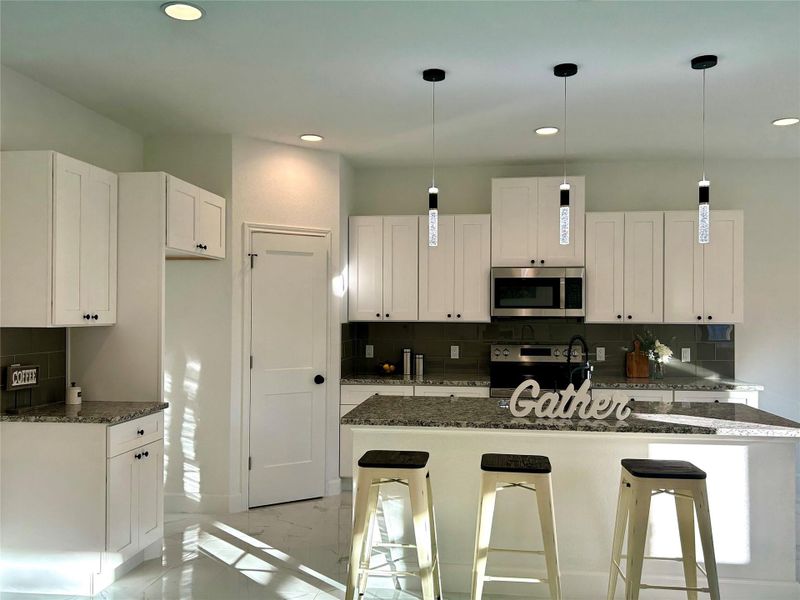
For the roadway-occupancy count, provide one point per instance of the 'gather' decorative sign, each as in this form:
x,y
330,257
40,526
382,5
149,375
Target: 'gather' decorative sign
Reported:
x,y
564,406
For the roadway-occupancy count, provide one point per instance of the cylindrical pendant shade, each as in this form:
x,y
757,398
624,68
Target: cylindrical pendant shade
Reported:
x,y
703,213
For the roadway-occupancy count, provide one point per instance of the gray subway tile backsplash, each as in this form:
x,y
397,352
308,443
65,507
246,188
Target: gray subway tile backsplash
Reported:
x,y
711,346
33,346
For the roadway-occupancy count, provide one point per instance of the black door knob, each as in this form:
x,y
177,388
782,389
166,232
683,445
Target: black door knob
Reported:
x,y
319,379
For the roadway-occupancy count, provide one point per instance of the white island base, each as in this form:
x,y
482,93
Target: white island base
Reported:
x,y
751,486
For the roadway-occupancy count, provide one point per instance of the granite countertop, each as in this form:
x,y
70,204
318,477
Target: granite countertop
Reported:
x,y
693,384
709,418
459,379
107,413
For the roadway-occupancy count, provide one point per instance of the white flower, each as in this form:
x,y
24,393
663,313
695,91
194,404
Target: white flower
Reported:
x,y
662,352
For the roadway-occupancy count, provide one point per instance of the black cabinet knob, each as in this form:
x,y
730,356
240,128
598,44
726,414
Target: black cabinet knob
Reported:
x,y
138,456
449,315
387,314
319,379
709,317
699,318
619,316
541,261
205,247
146,453
533,261
630,317
87,316
95,317
458,316
140,432
379,314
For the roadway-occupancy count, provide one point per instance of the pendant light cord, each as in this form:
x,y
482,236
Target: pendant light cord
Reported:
x,y
565,130
433,137
704,125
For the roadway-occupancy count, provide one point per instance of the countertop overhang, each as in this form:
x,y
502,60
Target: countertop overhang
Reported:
x,y
106,413
677,418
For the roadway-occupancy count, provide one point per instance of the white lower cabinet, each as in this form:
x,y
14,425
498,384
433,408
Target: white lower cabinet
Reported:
x,y
83,498
749,398
456,391
643,395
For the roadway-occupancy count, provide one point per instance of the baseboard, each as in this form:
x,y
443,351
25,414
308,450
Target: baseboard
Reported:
x,y
207,503
333,487
578,585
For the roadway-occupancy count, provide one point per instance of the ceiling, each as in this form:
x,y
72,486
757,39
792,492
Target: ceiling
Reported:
x,y
352,72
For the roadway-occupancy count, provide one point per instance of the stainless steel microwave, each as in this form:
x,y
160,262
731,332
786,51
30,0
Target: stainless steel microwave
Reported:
x,y
538,292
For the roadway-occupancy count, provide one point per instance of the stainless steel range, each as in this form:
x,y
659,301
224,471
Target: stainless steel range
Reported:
x,y
551,366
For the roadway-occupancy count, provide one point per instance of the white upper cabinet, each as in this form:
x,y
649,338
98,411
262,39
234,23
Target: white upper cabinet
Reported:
x,y
383,269
605,267
525,222
644,267
59,241
195,221
704,283
454,277
400,268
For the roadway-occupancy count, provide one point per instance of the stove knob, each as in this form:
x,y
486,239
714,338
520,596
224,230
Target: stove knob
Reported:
x,y
506,352
497,351
556,353
574,353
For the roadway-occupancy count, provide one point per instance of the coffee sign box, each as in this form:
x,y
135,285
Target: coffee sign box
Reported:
x,y
19,377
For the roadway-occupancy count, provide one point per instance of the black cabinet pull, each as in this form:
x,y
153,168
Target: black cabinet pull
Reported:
x,y
201,246
319,379
140,432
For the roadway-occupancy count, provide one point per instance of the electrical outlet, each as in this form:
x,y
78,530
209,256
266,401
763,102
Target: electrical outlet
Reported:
x,y
601,354
369,351
454,351
686,354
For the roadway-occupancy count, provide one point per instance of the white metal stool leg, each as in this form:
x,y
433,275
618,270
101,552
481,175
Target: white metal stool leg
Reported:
x,y
704,524
544,500
620,525
418,491
437,574
638,516
366,552
483,533
360,524
684,507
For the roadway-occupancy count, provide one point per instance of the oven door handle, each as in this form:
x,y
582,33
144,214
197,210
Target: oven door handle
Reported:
x,y
563,292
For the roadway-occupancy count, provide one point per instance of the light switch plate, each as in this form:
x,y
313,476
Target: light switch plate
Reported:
x,y
454,351
686,354
601,354
369,351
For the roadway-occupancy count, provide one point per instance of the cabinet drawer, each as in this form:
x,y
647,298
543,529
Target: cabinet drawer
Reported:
x,y
749,398
356,394
447,390
132,434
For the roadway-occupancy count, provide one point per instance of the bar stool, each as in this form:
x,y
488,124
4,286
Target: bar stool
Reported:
x,y
375,468
641,480
529,472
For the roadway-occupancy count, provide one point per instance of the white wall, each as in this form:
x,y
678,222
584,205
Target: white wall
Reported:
x,y
33,117
197,335
276,184
767,349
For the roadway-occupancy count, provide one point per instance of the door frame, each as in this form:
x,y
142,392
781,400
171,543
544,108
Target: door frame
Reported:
x,y
247,242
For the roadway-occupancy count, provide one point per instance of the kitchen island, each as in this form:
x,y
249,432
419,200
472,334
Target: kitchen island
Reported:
x,y
749,456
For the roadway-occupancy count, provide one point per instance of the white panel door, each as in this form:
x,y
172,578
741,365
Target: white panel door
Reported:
x,y
70,183
683,268
99,247
605,259
472,267
365,270
400,265
723,268
515,206
644,267
436,275
288,389
183,200
550,252
150,484
211,224
122,526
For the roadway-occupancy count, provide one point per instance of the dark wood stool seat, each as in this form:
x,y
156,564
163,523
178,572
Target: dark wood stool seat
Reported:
x,y
662,469
515,463
393,459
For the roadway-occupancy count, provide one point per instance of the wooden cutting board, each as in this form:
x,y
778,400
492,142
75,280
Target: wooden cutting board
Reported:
x,y
636,362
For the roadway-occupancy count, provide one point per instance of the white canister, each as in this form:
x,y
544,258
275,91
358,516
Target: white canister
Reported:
x,y
73,394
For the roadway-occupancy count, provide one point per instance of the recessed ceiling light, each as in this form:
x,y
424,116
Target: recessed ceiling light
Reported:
x,y
182,11
547,130
311,137
786,121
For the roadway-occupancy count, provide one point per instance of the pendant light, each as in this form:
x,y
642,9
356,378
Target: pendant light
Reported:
x,y
564,71
702,63
433,76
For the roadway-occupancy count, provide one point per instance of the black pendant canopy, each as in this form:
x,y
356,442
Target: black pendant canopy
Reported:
x,y
433,75
565,70
704,62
